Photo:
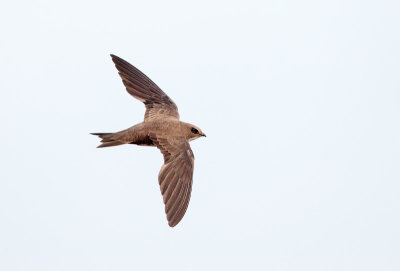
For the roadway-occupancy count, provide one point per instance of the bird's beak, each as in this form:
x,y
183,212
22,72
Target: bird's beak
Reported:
x,y
203,135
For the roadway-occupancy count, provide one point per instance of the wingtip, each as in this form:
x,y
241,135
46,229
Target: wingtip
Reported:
x,y
172,224
117,60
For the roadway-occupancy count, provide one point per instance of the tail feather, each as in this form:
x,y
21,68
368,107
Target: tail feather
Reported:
x,y
108,140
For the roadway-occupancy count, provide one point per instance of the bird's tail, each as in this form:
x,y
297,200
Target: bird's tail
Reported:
x,y
108,140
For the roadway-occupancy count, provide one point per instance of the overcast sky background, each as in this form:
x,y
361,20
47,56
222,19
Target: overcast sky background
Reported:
x,y
300,101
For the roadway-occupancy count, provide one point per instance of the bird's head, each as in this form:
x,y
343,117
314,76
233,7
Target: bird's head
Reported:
x,y
192,132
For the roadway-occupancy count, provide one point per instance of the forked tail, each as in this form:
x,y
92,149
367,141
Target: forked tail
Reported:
x,y
108,140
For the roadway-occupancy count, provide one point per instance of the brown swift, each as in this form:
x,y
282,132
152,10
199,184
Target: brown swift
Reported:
x,y
163,129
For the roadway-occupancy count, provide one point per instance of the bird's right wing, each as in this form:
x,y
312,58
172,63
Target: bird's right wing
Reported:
x,y
158,104
175,177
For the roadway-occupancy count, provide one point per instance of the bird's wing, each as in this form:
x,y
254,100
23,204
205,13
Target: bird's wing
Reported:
x,y
175,177
158,104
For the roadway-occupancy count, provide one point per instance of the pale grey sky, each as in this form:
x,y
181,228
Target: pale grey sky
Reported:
x,y
300,103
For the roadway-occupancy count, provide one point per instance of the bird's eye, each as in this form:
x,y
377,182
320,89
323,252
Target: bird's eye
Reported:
x,y
194,131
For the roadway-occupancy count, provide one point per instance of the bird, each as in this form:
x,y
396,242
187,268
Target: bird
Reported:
x,y
163,129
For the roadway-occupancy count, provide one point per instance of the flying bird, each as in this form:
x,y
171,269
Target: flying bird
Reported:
x,y
161,128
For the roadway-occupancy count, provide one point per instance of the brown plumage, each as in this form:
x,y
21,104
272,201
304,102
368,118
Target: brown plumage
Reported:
x,y
163,129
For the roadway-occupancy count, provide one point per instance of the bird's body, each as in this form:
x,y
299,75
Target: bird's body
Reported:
x,y
139,133
163,129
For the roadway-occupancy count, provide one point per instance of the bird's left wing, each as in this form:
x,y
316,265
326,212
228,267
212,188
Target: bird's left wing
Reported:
x,y
158,104
175,177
